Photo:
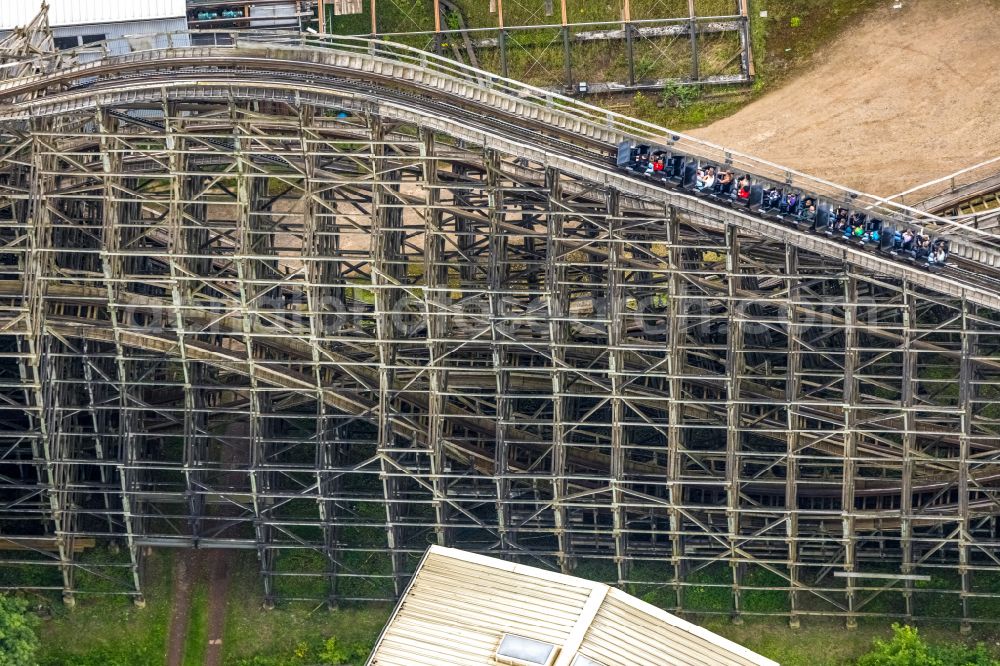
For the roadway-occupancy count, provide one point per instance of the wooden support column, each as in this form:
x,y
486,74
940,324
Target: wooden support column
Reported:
x,y
615,337
384,241
38,267
967,394
183,245
559,334
850,406
320,249
115,225
734,436
908,391
793,394
676,338
250,243
497,276
436,301
746,44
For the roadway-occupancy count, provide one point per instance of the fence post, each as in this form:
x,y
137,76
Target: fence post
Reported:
x,y
629,49
693,28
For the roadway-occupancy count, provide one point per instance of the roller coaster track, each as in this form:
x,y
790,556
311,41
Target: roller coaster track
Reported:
x,y
564,137
972,192
644,374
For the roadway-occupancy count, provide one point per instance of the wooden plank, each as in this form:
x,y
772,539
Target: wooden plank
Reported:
x,y
80,544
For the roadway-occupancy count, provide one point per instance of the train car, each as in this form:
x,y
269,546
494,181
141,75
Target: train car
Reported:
x,y
779,202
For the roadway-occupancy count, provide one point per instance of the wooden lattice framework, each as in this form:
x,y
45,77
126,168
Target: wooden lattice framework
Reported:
x,y
265,313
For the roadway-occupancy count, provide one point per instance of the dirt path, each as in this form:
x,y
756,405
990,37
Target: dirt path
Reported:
x,y
185,571
904,97
218,562
218,591
207,567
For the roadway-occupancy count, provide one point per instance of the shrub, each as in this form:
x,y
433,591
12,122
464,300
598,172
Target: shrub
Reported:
x,y
679,96
335,652
908,648
18,642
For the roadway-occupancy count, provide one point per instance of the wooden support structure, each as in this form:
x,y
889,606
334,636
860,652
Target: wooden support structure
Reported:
x,y
330,331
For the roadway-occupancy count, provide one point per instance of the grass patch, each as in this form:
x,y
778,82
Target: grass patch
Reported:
x,y
196,640
794,30
293,633
111,630
710,589
822,642
764,600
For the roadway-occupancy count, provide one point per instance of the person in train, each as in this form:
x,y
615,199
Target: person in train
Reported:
x,y
809,211
791,203
724,181
772,198
923,248
705,178
938,254
744,191
907,244
655,165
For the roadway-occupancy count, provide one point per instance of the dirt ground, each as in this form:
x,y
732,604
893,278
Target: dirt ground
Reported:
x,y
185,572
906,96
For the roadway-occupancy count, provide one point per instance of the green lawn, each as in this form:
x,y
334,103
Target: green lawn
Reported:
x,y
292,633
111,630
197,632
108,631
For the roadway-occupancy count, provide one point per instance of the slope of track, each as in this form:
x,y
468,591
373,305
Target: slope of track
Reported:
x,y
914,86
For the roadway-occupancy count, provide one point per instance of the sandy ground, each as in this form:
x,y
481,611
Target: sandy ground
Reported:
x,y
907,96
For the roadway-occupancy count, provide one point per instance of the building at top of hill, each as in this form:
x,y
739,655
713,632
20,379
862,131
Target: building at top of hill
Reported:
x,y
81,22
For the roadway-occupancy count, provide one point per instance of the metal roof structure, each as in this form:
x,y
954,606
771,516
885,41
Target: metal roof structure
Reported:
x,y
460,607
14,13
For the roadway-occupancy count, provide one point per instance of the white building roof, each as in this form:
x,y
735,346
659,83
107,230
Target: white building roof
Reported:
x,y
459,607
15,13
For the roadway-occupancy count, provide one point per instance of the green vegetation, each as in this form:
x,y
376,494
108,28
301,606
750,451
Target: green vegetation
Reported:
x,y
18,642
794,30
110,630
908,648
197,631
822,642
293,633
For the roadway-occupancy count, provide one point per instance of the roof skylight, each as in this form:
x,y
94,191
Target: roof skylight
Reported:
x,y
519,650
